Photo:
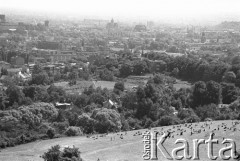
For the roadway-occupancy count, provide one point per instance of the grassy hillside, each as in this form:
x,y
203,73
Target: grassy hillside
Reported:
x,y
112,148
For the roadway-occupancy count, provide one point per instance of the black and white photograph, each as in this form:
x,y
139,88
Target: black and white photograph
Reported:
x,y
119,80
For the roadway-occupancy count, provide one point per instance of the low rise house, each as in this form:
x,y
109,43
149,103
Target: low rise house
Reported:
x,y
24,75
110,104
63,106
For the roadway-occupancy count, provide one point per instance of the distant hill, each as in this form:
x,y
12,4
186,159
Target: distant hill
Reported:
x,y
235,25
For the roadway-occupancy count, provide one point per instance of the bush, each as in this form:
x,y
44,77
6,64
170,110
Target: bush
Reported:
x,y
72,153
61,127
235,106
154,124
134,123
3,144
119,86
11,142
68,154
43,128
186,113
125,126
227,116
208,111
73,131
53,154
168,120
158,79
147,122
51,133
106,75
192,119
90,108
31,137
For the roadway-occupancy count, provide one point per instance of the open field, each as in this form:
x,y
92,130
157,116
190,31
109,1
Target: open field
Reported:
x,y
81,85
138,80
129,82
142,80
110,85
78,88
181,84
130,148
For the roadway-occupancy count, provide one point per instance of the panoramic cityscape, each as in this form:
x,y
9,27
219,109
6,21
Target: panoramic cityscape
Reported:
x,y
114,80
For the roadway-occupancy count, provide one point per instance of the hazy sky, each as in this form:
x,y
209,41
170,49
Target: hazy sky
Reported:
x,y
153,9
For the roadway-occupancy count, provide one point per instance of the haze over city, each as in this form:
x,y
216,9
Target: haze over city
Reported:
x,y
119,80
167,11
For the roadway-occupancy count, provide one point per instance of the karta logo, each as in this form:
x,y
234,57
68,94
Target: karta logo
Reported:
x,y
152,146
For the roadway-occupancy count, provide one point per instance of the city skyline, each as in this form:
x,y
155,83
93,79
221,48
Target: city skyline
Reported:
x,y
171,11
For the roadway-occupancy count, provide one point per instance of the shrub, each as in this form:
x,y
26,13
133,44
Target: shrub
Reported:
x,y
168,120
106,75
235,106
207,111
31,137
192,119
134,123
158,79
119,86
146,122
90,108
71,153
186,113
68,154
43,128
53,154
61,126
3,144
227,116
73,131
51,133
11,142
125,126
154,124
